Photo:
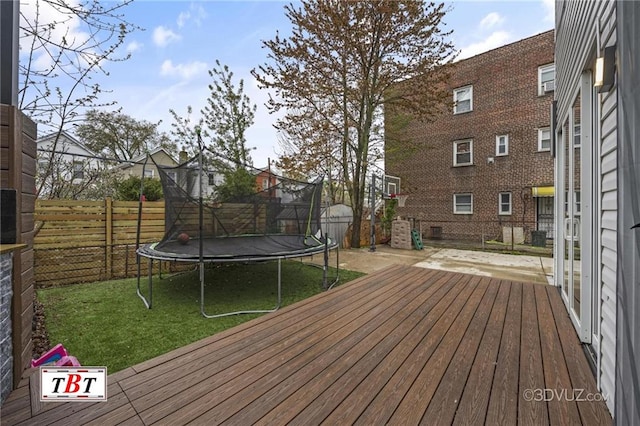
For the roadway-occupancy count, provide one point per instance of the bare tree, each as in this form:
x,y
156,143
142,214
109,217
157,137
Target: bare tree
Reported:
x,y
120,136
345,61
77,180
64,45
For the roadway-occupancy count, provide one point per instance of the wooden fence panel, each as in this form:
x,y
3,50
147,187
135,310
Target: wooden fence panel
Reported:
x,y
83,241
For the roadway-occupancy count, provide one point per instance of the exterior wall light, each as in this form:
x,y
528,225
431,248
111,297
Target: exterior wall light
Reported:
x,y
605,70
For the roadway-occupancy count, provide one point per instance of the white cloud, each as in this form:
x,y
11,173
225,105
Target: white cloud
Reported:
x,y
134,46
184,71
550,11
183,17
491,20
163,36
196,14
495,39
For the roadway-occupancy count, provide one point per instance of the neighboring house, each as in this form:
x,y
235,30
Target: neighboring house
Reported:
x,y
136,166
186,177
63,148
486,163
597,252
267,183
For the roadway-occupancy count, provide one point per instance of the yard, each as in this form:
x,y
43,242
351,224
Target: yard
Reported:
x,y
106,324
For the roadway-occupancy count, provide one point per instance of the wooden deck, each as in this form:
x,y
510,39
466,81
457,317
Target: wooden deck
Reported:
x,y
403,346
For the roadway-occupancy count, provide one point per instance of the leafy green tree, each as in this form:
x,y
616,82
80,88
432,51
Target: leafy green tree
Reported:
x,y
227,115
129,189
120,136
224,120
345,63
238,184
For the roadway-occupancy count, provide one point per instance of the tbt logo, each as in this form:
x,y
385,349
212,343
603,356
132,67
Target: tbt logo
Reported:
x,y
73,384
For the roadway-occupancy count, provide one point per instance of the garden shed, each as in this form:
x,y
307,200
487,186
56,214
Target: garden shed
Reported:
x,y
335,221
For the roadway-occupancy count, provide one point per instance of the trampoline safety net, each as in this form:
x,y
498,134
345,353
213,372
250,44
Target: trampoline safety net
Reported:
x,y
236,201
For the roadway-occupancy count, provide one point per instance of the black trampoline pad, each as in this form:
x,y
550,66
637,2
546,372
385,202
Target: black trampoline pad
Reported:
x,y
236,248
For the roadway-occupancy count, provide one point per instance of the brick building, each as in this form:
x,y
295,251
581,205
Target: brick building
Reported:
x,y
487,162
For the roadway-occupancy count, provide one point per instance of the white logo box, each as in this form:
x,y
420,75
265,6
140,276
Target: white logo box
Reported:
x,y
73,384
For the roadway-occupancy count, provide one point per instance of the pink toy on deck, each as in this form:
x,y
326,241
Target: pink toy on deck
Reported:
x,y
51,356
68,361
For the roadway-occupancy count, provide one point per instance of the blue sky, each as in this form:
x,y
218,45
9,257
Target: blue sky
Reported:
x,y
182,39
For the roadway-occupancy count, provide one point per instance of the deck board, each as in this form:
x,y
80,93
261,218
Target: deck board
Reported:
x,y
475,398
394,391
405,345
503,402
531,411
418,398
443,406
349,410
556,376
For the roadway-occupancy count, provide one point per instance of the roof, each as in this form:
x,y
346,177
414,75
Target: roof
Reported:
x,y
67,138
142,157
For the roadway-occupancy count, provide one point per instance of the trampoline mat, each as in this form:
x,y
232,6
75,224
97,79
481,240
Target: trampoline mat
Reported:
x,y
237,248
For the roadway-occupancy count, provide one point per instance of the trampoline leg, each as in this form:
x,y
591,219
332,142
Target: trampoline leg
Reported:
x,y
337,268
279,285
146,302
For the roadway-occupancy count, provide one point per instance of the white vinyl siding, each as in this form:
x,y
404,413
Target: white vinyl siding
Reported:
x,y
463,203
609,242
576,43
463,153
463,100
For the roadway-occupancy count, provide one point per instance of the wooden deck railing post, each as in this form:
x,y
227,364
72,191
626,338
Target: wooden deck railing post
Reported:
x,y
108,206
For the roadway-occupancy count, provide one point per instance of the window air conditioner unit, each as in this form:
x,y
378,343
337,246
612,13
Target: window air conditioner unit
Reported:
x,y
549,86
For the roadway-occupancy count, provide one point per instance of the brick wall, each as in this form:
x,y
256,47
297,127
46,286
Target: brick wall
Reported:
x,y
505,102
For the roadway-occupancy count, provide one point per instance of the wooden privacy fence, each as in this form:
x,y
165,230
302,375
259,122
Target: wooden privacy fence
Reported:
x,y
83,241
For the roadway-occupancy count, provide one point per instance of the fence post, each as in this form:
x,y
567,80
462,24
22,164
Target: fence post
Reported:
x,y
108,206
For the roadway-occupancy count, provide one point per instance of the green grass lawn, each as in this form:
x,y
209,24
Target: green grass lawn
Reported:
x,y
106,324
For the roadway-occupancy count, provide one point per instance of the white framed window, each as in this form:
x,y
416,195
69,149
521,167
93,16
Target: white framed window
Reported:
x,y
576,134
577,206
265,184
504,203
463,203
148,173
546,79
463,99
172,177
78,170
463,153
502,145
544,139
211,179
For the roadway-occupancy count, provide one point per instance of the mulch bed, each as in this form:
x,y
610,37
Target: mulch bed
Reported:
x,y
39,334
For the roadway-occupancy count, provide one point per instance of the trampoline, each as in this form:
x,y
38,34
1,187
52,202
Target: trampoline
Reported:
x,y
281,220
237,248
